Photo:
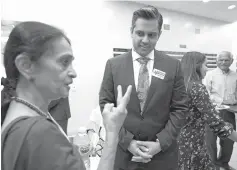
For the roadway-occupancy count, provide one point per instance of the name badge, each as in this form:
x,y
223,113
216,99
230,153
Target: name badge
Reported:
x,y
158,73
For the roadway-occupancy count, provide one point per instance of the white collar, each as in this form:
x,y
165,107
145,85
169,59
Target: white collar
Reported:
x,y
219,70
135,55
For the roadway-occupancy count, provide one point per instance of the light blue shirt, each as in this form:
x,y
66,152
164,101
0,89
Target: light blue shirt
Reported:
x,y
221,86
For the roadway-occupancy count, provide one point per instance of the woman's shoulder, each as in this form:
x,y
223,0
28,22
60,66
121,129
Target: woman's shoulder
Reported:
x,y
25,130
23,126
44,128
42,124
39,123
197,89
198,86
33,133
40,136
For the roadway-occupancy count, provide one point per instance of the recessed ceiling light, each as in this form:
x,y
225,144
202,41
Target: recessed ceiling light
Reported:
x,y
205,1
231,6
187,25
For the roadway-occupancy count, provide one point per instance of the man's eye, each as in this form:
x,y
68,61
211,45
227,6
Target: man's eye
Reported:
x,y
65,62
152,35
140,33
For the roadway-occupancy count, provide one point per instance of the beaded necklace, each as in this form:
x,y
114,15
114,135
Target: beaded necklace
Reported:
x,y
41,113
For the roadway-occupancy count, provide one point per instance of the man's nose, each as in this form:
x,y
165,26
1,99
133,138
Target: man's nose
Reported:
x,y
145,39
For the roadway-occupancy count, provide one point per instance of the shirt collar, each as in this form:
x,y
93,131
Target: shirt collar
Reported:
x,y
229,72
135,55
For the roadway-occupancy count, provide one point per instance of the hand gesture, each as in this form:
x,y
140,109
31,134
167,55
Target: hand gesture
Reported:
x,y
113,117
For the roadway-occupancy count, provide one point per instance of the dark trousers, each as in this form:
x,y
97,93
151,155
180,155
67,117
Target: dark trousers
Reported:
x,y
134,169
226,145
142,168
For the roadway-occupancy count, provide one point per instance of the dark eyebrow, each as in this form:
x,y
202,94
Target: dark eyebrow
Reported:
x,y
152,32
68,55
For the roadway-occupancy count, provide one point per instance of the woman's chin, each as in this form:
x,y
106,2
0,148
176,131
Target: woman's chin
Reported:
x,y
61,93
65,94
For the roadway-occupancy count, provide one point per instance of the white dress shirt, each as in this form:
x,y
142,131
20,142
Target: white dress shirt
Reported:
x,y
221,86
137,65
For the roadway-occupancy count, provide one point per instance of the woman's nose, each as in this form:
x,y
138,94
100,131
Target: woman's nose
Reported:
x,y
72,73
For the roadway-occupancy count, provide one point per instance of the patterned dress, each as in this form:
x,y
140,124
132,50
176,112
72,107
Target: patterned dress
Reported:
x,y
193,154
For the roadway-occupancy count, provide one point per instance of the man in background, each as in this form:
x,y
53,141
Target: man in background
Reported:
x,y
158,102
60,111
221,85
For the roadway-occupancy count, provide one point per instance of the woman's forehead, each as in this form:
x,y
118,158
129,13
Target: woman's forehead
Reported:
x,y
58,47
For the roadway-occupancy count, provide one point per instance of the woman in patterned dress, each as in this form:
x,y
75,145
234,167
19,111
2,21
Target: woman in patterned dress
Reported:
x,y
193,153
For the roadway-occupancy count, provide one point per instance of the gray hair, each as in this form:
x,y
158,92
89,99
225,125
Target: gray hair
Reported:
x,y
229,54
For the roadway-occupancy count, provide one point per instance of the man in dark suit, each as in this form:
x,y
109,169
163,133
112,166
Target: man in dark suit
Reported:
x,y
60,111
158,102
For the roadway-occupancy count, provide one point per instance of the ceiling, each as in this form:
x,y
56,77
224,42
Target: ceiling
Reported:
x,y
213,9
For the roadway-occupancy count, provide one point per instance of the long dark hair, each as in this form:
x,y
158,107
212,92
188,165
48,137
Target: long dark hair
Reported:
x,y
30,38
191,64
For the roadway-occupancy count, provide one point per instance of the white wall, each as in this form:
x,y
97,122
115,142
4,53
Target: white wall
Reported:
x,y
234,45
96,29
210,39
86,26
215,35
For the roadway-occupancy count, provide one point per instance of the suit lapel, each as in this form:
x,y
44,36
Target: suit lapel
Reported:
x,y
129,74
154,81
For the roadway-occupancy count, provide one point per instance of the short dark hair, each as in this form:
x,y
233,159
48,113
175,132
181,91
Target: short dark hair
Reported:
x,y
30,38
148,13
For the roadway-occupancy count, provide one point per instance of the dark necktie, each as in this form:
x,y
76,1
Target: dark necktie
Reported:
x,y
143,81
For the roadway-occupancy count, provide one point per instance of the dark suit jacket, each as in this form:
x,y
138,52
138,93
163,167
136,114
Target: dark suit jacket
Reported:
x,y
164,111
60,111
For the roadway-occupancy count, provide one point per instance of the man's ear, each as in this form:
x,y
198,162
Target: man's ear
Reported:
x,y
232,60
25,66
159,34
131,31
